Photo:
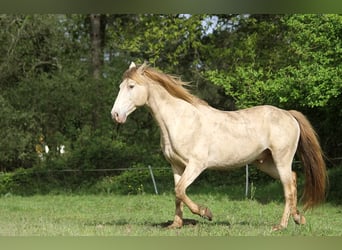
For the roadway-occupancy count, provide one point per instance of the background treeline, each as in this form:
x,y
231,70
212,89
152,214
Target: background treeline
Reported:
x,y
59,76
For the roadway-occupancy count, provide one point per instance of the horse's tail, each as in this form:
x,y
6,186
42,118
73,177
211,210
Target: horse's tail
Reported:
x,y
311,155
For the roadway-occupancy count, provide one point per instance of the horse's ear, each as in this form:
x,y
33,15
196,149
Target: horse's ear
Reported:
x,y
142,68
132,65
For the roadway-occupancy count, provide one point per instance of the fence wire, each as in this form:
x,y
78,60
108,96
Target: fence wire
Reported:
x,y
150,169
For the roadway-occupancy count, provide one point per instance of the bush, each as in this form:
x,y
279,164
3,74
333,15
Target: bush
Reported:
x,y
137,180
335,185
16,137
79,169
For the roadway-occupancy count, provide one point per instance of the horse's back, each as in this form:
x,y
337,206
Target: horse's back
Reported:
x,y
239,137
270,124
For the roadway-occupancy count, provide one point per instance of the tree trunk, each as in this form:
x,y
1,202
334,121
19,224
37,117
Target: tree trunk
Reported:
x,y
97,35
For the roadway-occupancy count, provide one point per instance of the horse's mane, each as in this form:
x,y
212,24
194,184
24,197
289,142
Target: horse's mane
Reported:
x,y
174,85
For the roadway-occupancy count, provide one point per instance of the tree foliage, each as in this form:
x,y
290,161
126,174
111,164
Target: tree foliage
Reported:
x,y
54,92
290,61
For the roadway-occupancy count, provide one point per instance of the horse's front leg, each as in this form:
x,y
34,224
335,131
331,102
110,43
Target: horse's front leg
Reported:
x,y
191,172
178,220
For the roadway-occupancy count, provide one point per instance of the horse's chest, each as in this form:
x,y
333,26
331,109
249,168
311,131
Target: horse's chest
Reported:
x,y
172,155
177,140
168,152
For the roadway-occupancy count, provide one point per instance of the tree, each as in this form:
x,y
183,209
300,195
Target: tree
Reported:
x,y
27,46
59,74
45,85
97,40
97,31
289,61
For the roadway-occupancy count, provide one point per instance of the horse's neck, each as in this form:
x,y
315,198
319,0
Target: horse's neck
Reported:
x,y
167,109
161,103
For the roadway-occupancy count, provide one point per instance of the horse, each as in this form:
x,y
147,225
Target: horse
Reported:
x,y
195,136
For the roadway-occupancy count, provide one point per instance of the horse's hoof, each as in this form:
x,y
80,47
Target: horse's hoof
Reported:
x,y
277,228
206,213
299,219
175,225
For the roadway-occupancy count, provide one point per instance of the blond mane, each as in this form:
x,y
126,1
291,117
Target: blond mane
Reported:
x,y
174,85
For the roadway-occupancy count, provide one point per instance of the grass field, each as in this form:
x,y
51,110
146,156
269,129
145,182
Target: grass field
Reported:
x,y
147,214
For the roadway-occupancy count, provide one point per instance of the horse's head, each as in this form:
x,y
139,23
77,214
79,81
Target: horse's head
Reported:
x,y
131,95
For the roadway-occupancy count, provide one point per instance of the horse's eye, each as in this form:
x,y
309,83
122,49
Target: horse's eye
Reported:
x,y
131,86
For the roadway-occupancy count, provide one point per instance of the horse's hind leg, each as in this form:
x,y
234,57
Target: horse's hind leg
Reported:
x,y
297,217
268,166
288,179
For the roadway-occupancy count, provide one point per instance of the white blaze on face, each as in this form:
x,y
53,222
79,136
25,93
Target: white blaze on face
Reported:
x,y
124,104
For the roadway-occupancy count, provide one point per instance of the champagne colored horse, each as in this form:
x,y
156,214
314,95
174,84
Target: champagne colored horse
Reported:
x,y
195,137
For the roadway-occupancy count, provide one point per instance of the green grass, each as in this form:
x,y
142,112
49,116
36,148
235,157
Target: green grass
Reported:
x,y
146,214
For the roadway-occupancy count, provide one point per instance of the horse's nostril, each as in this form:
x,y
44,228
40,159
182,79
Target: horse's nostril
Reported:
x,y
115,115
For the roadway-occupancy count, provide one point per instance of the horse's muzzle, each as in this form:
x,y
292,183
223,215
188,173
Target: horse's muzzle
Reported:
x,y
119,118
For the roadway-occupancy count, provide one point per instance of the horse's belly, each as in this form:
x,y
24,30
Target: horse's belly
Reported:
x,y
227,164
234,157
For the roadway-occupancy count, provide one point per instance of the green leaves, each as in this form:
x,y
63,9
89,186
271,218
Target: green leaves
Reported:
x,y
233,61
162,40
287,61
17,137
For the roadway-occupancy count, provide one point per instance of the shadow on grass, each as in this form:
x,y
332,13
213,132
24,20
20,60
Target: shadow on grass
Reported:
x,y
194,222
124,222
186,223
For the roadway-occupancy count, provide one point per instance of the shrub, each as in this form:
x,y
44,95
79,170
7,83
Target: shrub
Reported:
x,y
137,180
335,185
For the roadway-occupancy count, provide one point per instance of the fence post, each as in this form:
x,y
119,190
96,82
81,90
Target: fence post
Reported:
x,y
153,180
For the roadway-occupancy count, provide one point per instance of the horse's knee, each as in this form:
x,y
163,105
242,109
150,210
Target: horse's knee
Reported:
x,y
179,192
